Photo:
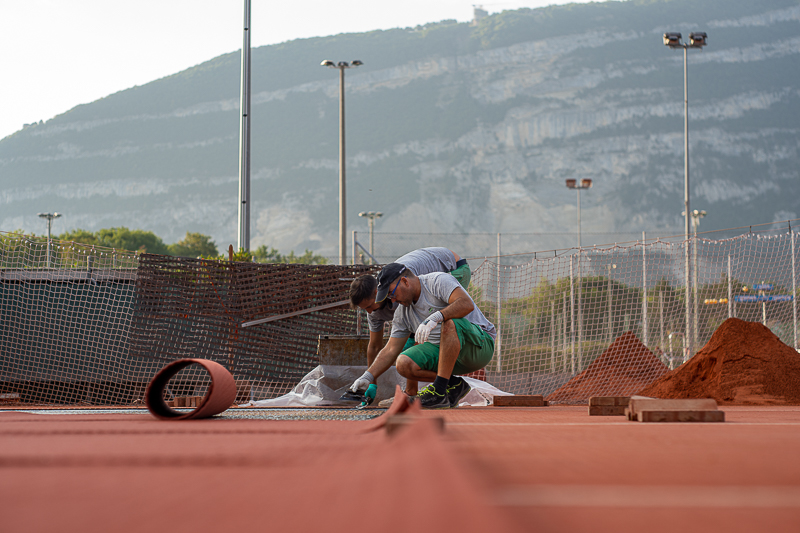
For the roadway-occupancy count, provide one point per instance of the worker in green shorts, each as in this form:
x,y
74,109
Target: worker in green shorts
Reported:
x,y
452,336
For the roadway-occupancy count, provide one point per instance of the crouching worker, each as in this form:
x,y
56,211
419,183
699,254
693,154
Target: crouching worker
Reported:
x,y
452,335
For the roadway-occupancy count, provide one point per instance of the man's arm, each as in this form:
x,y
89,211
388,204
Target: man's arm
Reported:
x,y
374,346
459,305
385,359
387,356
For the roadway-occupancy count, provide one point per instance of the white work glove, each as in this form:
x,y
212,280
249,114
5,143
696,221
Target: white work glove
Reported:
x,y
363,382
424,329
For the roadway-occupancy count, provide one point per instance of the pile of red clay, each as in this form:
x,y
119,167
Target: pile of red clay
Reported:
x,y
744,363
624,368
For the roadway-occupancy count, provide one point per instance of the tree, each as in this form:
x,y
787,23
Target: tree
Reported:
x,y
194,245
80,236
264,254
136,240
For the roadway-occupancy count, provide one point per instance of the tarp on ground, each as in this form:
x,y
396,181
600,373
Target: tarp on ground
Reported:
x,y
325,384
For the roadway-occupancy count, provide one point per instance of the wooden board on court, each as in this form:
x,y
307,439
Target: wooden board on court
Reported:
x,y
680,416
535,400
655,404
608,405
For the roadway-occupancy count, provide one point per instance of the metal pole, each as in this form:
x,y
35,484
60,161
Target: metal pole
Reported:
x,y
499,308
661,316
572,310
355,247
371,241
579,217
552,336
342,180
730,290
688,336
244,138
644,289
580,314
695,338
610,339
49,224
564,329
794,291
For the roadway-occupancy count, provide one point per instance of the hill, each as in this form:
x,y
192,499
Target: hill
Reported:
x,y
450,128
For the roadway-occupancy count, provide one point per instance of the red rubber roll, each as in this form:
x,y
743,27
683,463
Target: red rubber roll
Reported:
x,y
221,392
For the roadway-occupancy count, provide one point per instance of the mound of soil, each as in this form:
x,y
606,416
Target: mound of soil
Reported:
x,y
624,368
744,363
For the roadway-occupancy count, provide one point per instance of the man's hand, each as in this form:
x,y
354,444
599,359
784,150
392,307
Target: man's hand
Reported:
x,y
363,382
424,329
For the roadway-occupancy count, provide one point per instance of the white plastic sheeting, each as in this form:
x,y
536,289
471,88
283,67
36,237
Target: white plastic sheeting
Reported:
x,y
325,384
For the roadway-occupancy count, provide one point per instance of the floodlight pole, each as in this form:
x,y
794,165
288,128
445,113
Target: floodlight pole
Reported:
x,y
244,138
371,216
573,184
696,40
342,65
49,217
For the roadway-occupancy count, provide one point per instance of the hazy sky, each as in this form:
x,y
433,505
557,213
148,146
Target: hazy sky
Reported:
x,y
57,54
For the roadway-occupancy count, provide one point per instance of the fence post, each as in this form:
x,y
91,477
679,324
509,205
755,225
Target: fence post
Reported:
x,y
730,290
552,336
661,316
564,330
644,289
688,298
572,310
498,344
580,314
794,291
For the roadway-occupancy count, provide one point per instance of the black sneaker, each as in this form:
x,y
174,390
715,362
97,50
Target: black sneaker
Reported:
x,y
457,392
430,399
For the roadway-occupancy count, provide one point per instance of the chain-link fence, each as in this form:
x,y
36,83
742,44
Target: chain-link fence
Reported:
x,y
67,311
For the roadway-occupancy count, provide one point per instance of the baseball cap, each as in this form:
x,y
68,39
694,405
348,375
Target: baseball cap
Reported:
x,y
387,276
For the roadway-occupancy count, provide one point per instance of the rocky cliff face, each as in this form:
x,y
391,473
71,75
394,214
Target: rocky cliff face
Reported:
x,y
479,140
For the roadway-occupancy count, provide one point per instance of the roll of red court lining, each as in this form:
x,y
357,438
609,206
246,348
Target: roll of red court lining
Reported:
x,y
220,396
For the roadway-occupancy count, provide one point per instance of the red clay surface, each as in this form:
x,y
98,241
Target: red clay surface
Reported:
x,y
493,469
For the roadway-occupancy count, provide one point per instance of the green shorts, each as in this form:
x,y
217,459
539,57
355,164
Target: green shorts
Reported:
x,y
477,349
463,274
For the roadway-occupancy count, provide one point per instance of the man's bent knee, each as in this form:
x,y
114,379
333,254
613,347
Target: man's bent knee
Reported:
x,y
406,366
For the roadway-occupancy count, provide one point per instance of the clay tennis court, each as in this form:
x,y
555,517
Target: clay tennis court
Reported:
x,y
491,469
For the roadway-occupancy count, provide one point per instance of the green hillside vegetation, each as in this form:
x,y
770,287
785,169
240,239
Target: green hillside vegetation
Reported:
x,y
194,245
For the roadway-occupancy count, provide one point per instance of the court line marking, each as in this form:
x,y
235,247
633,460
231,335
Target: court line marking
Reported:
x,y
723,496
626,423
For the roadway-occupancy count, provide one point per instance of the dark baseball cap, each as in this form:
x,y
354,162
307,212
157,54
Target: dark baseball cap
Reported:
x,y
387,276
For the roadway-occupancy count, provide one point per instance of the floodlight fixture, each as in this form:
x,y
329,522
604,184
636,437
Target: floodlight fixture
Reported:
x,y
698,39
673,39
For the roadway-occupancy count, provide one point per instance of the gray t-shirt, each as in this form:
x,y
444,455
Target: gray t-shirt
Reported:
x,y
422,261
435,291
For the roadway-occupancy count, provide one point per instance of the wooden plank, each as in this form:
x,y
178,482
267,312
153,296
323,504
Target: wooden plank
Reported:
x,y
609,400
680,416
535,400
655,404
607,410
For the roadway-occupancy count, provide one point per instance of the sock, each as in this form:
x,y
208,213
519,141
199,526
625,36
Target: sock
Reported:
x,y
454,380
440,385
